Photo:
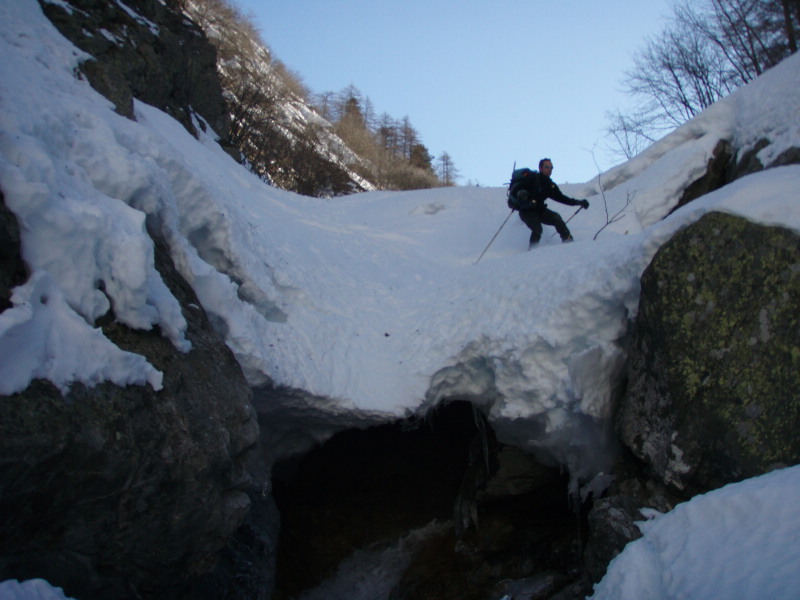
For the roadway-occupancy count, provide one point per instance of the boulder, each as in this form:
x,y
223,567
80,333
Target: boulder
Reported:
x,y
714,365
611,524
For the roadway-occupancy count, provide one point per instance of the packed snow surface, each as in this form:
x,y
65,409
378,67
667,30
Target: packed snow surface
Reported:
x,y
738,543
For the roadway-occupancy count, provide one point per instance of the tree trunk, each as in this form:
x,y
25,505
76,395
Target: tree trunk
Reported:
x,y
787,5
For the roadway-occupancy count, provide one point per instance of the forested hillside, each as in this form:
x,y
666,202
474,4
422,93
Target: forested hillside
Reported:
x,y
324,144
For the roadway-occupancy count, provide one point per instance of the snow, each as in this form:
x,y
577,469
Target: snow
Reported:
x,y
32,589
41,325
738,542
372,303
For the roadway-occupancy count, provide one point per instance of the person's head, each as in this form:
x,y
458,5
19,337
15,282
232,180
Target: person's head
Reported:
x,y
546,166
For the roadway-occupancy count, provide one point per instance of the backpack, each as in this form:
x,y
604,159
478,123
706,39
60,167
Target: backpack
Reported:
x,y
517,176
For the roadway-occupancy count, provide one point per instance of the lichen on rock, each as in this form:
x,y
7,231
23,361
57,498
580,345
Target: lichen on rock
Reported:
x,y
714,368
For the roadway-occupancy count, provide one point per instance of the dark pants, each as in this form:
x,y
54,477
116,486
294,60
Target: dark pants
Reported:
x,y
534,219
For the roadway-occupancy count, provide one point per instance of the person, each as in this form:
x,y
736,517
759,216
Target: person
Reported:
x,y
529,195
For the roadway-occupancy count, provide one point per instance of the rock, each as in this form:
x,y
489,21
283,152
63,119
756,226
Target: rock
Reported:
x,y
116,493
790,156
612,524
246,569
152,53
536,587
516,473
12,269
715,362
716,175
747,159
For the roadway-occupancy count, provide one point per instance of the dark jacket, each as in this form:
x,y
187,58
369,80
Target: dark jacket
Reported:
x,y
539,187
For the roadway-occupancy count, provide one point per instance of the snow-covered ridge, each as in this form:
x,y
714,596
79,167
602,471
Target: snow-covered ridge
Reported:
x,y
767,109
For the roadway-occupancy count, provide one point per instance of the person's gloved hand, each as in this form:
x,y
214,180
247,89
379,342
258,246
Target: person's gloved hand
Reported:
x,y
584,203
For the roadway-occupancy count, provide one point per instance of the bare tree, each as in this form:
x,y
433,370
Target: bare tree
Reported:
x,y
323,103
752,35
679,74
631,132
446,169
791,20
709,48
620,214
253,104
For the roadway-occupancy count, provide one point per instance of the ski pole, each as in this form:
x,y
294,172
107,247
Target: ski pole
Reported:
x,y
493,238
568,220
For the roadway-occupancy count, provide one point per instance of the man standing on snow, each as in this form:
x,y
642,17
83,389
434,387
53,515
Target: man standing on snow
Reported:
x,y
528,197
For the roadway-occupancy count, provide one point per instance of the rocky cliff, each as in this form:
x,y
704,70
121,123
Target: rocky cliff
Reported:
x,y
152,53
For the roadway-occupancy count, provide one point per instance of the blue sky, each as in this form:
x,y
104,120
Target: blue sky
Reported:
x,y
490,83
